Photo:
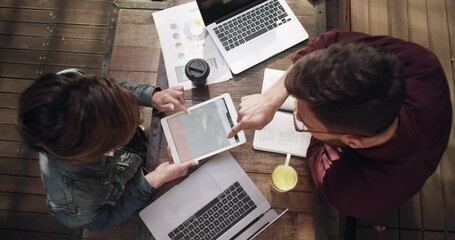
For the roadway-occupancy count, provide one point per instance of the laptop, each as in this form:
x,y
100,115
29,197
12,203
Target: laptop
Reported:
x,y
217,201
247,32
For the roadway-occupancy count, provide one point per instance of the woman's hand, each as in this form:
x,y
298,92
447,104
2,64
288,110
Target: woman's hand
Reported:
x,y
168,171
169,99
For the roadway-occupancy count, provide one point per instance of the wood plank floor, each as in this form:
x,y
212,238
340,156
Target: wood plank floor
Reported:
x,y
38,37
430,214
49,35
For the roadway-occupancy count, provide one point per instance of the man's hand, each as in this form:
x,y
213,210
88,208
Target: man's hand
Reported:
x,y
169,99
255,112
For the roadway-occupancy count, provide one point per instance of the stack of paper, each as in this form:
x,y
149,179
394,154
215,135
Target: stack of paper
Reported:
x,y
183,37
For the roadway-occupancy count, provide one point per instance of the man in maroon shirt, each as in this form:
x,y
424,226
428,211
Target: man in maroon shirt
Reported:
x,y
378,109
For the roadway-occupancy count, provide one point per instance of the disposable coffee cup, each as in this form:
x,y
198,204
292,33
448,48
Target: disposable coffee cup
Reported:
x,y
197,70
284,178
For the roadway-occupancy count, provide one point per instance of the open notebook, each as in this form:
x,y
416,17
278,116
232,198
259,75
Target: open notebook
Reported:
x,y
279,135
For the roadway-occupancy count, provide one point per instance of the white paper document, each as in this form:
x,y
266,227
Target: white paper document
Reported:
x,y
183,37
270,77
279,135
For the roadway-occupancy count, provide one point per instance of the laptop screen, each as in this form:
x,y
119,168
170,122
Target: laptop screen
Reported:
x,y
218,10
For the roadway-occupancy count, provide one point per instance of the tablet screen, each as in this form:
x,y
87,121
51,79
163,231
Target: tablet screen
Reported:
x,y
202,131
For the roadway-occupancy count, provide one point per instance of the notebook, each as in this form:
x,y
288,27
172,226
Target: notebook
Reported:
x,y
217,201
247,32
280,135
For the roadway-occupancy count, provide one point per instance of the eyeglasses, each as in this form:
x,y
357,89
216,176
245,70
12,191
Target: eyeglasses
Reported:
x,y
301,127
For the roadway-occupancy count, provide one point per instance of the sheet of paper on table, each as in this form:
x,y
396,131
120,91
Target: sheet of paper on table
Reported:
x,y
183,37
279,135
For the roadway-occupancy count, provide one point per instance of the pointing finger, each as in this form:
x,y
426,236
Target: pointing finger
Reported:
x,y
237,128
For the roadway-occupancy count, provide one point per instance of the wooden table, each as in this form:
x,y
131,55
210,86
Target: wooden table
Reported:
x,y
300,221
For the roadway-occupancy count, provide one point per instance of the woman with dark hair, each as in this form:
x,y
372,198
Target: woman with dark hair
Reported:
x,y
92,150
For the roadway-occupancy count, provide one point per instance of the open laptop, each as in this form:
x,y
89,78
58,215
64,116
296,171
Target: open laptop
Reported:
x,y
247,32
217,201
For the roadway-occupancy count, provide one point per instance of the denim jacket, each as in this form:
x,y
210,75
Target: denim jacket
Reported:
x,y
101,194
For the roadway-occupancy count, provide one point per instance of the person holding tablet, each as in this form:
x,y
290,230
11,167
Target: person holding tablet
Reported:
x,y
92,150
379,112
201,134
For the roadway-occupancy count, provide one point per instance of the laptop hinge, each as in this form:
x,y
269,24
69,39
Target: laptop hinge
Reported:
x,y
247,226
250,5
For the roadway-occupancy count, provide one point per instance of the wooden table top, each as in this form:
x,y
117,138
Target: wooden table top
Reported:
x,y
299,222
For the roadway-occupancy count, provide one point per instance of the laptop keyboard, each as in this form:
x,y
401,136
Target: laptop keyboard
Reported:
x,y
217,216
249,25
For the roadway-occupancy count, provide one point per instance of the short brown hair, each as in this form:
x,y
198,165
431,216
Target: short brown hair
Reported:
x,y
356,88
77,118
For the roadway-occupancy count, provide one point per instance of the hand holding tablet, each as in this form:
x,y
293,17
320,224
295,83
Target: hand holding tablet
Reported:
x,y
203,132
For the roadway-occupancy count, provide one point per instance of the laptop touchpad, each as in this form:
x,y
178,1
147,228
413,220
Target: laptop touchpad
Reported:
x,y
193,194
266,45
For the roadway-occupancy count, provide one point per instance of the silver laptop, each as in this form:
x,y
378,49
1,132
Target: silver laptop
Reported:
x,y
247,32
217,201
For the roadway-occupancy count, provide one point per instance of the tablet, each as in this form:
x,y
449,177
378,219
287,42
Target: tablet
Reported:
x,y
203,132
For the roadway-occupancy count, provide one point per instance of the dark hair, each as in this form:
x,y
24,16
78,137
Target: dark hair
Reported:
x,y
356,88
77,118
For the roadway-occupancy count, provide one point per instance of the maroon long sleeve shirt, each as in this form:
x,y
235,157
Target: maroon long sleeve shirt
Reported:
x,y
366,183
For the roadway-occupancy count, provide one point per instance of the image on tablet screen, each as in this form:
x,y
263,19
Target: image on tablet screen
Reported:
x,y
203,131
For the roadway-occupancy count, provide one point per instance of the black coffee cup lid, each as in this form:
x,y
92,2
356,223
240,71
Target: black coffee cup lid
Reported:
x,y
197,69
